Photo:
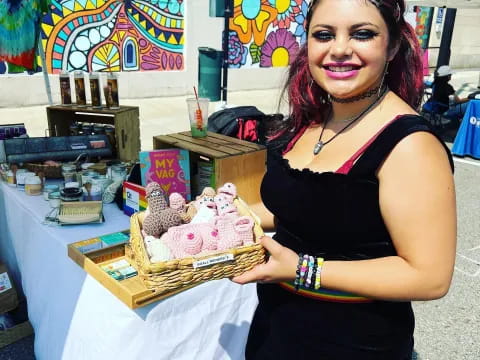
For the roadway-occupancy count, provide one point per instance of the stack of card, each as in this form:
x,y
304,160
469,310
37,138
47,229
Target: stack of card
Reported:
x,y
120,269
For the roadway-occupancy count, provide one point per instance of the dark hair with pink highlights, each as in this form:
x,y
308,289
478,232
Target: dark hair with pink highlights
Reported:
x,y
405,71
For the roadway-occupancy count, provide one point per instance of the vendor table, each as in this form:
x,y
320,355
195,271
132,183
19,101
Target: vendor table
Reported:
x,y
76,318
467,141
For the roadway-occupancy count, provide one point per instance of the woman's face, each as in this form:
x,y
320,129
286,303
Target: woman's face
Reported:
x,y
347,46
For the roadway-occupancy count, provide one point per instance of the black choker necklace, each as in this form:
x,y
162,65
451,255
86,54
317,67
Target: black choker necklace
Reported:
x,y
320,144
365,95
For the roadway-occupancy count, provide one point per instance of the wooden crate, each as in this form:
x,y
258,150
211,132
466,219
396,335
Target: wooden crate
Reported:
x,y
126,122
131,291
237,161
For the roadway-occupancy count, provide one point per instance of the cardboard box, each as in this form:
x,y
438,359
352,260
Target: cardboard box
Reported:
x,y
8,294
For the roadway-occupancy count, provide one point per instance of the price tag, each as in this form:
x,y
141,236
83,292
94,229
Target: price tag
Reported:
x,y
213,260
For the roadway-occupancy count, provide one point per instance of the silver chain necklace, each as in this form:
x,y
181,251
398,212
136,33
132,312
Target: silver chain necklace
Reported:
x,y
320,144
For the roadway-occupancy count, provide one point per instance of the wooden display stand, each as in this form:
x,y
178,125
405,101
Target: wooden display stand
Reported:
x,y
132,291
236,161
126,122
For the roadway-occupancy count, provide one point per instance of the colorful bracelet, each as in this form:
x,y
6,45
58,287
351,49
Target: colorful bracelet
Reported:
x,y
308,277
297,273
303,269
319,272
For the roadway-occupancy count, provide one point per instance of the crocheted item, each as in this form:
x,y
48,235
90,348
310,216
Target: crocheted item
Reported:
x,y
229,190
157,249
161,217
184,241
209,236
224,205
205,200
177,203
234,231
227,236
244,230
204,215
207,191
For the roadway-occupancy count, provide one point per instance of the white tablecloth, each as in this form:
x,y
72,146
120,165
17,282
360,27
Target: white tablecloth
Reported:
x,y
75,317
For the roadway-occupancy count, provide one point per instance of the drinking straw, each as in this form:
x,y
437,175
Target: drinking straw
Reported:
x,y
198,112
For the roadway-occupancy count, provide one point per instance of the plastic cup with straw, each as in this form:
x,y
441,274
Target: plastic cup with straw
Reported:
x,y
198,114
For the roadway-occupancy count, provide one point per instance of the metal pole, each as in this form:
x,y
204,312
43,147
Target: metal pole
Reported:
x,y
444,53
44,70
227,14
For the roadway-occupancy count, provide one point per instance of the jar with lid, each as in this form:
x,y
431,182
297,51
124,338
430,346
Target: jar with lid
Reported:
x,y
71,194
54,199
33,185
69,172
21,177
10,178
102,181
119,172
88,175
49,188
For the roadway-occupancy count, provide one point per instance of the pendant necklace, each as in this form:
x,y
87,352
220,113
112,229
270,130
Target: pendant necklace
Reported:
x,y
320,144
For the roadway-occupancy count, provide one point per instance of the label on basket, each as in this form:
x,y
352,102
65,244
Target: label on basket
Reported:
x,y
212,260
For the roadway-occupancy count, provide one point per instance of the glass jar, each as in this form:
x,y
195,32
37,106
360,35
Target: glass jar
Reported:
x,y
33,185
88,175
49,188
102,181
10,178
119,172
54,199
69,172
21,179
71,194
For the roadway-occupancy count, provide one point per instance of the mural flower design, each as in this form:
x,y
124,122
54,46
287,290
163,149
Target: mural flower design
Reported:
x,y
287,9
237,53
280,49
252,18
301,20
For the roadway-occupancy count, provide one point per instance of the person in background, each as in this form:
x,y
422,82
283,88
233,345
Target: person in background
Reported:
x,y
359,191
442,90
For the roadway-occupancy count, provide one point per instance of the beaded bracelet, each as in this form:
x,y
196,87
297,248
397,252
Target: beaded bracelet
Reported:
x,y
303,269
308,278
297,273
308,272
319,272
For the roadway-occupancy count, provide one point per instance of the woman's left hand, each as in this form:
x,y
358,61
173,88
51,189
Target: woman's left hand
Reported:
x,y
281,265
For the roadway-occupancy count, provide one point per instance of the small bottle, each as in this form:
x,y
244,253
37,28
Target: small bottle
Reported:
x,y
80,88
95,90
111,91
65,90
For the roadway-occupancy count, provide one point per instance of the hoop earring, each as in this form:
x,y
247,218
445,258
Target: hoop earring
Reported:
x,y
385,72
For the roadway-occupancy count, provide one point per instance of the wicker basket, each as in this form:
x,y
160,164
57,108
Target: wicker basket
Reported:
x,y
50,172
163,277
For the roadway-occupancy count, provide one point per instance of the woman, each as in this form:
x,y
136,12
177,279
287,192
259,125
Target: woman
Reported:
x,y
362,193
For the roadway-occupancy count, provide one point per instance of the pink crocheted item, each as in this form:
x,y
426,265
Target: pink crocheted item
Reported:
x,y
228,189
244,229
209,236
205,200
177,202
185,240
234,231
224,205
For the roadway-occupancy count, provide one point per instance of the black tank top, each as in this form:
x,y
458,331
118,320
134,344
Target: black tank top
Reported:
x,y
336,216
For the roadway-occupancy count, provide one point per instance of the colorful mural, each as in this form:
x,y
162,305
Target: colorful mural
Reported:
x,y
424,20
266,33
114,35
